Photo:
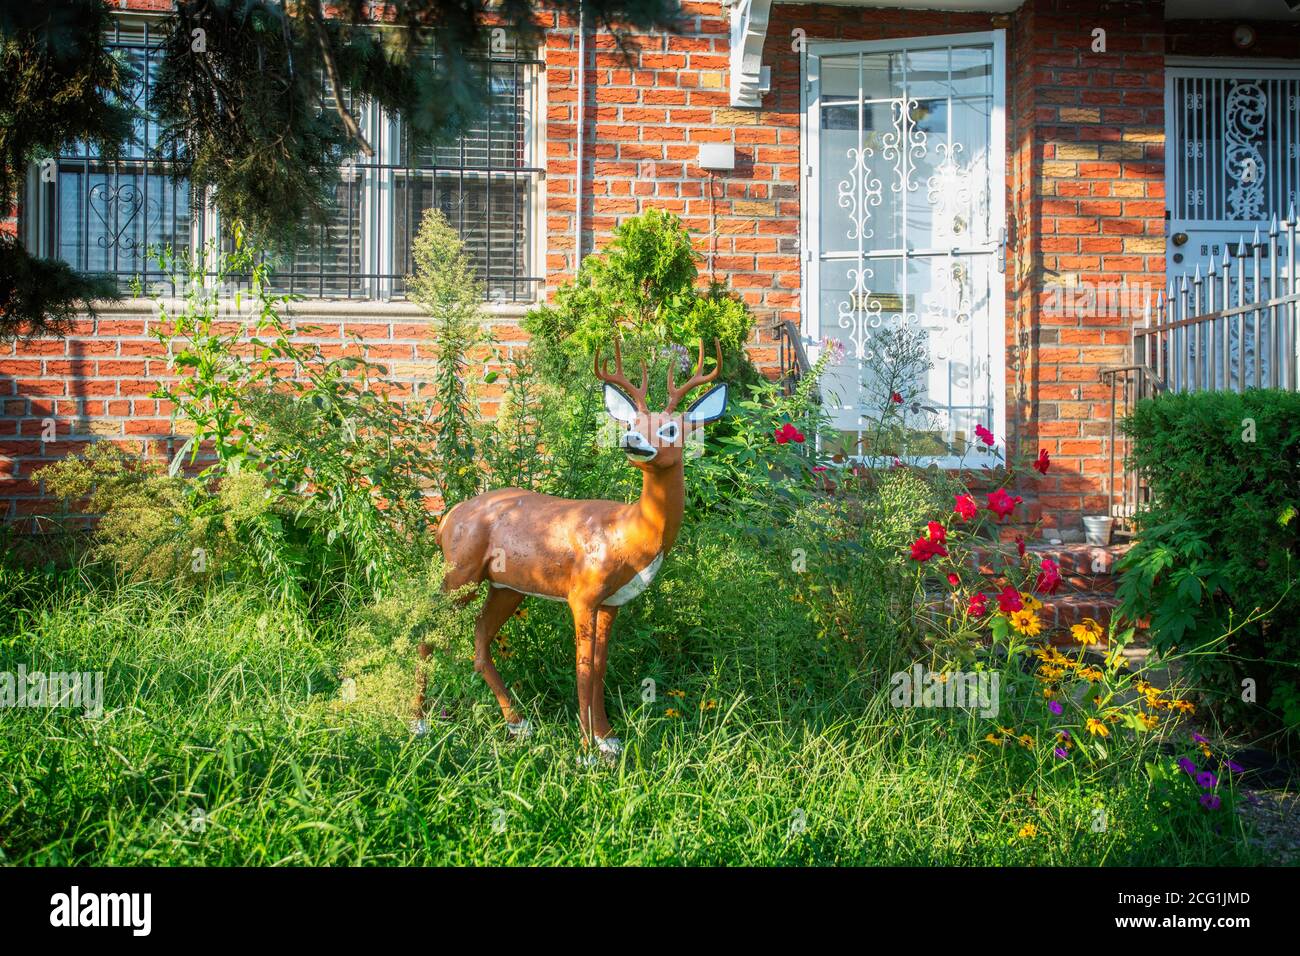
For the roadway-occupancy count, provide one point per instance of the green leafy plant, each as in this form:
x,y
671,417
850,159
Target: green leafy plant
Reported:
x,y
1214,564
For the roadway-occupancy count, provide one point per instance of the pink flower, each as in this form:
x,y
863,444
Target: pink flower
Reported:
x,y
984,435
1049,579
964,505
1044,461
819,467
1009,600
896,398
1002,504
978,605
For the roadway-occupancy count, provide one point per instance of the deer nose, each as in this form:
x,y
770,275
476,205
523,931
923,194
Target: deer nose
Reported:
x,y
635,443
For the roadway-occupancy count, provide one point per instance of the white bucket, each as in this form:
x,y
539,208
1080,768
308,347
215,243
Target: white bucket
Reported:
x,y
1097,528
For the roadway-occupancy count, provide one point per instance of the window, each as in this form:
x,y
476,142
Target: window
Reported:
x,y
101,216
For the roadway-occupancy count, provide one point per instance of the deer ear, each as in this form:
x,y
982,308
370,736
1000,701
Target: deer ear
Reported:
x,y
709,407
620,407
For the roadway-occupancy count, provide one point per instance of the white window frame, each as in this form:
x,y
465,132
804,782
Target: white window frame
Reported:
x,y
810,213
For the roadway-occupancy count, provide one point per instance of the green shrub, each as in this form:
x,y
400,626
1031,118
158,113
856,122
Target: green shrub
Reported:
x,y
1214,566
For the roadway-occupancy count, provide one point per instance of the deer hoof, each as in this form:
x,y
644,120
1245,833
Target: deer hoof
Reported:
x,y
419,728
521,730
609,746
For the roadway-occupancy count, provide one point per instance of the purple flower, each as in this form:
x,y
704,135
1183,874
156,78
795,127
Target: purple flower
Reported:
x,y
1186,766
1199,739
1065,735
1234,766
1055,707
1206,779
1060,752
1210,801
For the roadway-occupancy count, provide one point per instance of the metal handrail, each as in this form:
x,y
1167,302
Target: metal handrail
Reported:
x,y
793,356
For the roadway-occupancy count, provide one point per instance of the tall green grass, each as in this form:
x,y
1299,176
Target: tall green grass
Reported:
x,y
227,738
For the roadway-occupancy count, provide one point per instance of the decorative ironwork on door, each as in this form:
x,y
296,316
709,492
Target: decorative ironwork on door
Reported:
x,y
906,144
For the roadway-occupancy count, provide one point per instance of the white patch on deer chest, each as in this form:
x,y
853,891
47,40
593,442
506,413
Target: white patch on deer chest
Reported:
x,y
638,584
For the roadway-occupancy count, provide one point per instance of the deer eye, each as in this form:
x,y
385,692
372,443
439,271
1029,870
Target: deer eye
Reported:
x,y
668,432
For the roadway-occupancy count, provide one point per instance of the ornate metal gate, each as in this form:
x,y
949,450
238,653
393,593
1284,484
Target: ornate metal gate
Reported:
x,y
904,232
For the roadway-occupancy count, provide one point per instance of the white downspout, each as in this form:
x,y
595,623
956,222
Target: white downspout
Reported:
x,y
582,125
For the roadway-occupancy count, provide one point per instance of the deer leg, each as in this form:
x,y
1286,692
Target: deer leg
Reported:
x,y
604,624
584,627
500,604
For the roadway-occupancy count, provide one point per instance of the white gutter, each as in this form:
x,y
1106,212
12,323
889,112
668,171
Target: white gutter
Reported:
x,y
582,125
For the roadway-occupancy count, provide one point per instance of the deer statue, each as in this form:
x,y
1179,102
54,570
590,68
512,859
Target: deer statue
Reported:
x,y
595,555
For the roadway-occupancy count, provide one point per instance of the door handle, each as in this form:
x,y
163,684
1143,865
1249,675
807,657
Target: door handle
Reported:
x,y
1002,250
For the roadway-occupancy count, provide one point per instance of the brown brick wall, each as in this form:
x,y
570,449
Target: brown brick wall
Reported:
x,y
1085,195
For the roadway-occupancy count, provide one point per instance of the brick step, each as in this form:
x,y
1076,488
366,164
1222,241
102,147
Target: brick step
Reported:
x,y
1084,560
1085,569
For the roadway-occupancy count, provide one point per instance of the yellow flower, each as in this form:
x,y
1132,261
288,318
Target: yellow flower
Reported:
x,y
1091,674
1026,622
993,739
1026,741
1087,632
672,712
1030,602
1028,831
708,705
679,694
1097,728
1008,731
1149,721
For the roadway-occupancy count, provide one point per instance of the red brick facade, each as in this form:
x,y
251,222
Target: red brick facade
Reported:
x,y
1085,199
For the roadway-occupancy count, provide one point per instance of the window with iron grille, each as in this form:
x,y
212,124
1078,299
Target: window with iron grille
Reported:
x,y
102,216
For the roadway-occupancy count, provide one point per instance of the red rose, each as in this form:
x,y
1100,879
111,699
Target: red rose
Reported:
x,y
978,605
896,398
984,435
923,549
953,579
964,505
938,533
1020,544
788,433
1002,504
1009,600
1049,579
1043,463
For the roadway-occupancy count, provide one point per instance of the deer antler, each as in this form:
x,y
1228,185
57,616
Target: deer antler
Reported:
x,y
675,394
619,380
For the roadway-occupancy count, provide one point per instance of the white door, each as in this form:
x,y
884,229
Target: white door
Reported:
x,y
904,233
1232,160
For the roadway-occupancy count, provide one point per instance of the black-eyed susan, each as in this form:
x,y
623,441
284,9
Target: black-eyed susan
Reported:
x,y
1097,728
1025,622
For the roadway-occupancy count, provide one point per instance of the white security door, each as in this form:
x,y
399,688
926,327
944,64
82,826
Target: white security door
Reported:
x,y
904,231
1232,161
